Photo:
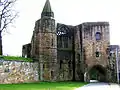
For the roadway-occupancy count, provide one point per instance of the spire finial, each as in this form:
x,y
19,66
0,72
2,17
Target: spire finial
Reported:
x,y
47,11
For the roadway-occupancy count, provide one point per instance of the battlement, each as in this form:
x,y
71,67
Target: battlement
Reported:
x,y
96,23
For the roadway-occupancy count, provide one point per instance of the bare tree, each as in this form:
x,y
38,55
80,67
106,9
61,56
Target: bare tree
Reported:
x,y
7,15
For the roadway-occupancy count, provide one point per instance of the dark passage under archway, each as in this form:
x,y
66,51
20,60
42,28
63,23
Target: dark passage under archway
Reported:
x,y
98,72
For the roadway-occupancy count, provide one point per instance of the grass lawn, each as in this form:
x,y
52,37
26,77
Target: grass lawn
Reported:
x,y
43,86
16,58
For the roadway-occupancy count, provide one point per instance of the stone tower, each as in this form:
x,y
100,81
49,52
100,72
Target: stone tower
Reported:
x,y
48,44
44,44
96,41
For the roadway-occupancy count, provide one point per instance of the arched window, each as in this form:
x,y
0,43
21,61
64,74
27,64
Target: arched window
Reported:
x,y
98,36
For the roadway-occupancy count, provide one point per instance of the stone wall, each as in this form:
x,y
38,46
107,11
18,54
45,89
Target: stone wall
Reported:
x,y
65,72
91,45
18,72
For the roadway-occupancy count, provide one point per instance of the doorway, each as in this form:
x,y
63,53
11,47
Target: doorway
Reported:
x,y
98,73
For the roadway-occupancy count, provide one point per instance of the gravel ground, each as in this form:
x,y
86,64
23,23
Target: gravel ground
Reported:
x,y
100,86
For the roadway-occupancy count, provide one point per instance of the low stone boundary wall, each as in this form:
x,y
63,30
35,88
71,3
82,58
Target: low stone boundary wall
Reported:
x,y
18,72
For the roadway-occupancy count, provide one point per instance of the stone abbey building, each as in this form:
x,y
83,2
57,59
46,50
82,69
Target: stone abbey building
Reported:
x,y
66,52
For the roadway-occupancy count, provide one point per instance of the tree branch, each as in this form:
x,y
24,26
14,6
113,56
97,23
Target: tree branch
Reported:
x,y
7,16
7,23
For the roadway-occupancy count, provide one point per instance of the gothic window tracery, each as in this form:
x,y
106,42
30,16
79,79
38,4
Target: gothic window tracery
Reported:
x,y
62,30
65,39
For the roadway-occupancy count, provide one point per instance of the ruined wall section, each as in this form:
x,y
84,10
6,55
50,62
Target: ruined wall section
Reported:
x,y
26,49
35,41
65,65
65,52
96,40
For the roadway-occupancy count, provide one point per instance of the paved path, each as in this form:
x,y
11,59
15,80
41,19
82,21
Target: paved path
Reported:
x,y
99,86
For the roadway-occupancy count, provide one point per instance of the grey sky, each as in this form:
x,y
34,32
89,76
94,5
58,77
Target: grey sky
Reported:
x,y
71,12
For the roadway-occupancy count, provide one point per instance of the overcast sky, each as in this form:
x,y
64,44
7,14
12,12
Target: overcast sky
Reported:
x,y
71,12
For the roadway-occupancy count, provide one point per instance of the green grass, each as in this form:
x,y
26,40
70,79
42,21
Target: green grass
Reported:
x,y
15,58
43,86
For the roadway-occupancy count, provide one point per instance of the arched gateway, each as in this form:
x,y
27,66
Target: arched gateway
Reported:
x,y
97,72
96,52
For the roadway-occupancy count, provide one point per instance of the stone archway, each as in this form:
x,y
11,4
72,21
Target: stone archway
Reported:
x,y
97,72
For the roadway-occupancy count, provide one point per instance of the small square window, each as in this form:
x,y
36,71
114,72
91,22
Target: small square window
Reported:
x,y
97,54
98,36
52,42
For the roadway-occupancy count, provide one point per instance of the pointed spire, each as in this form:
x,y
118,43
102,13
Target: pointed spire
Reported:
x,y
47,11
47,7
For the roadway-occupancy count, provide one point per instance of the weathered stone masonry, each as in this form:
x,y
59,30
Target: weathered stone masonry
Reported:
x,y
68,52
44,44
92,45
18,72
